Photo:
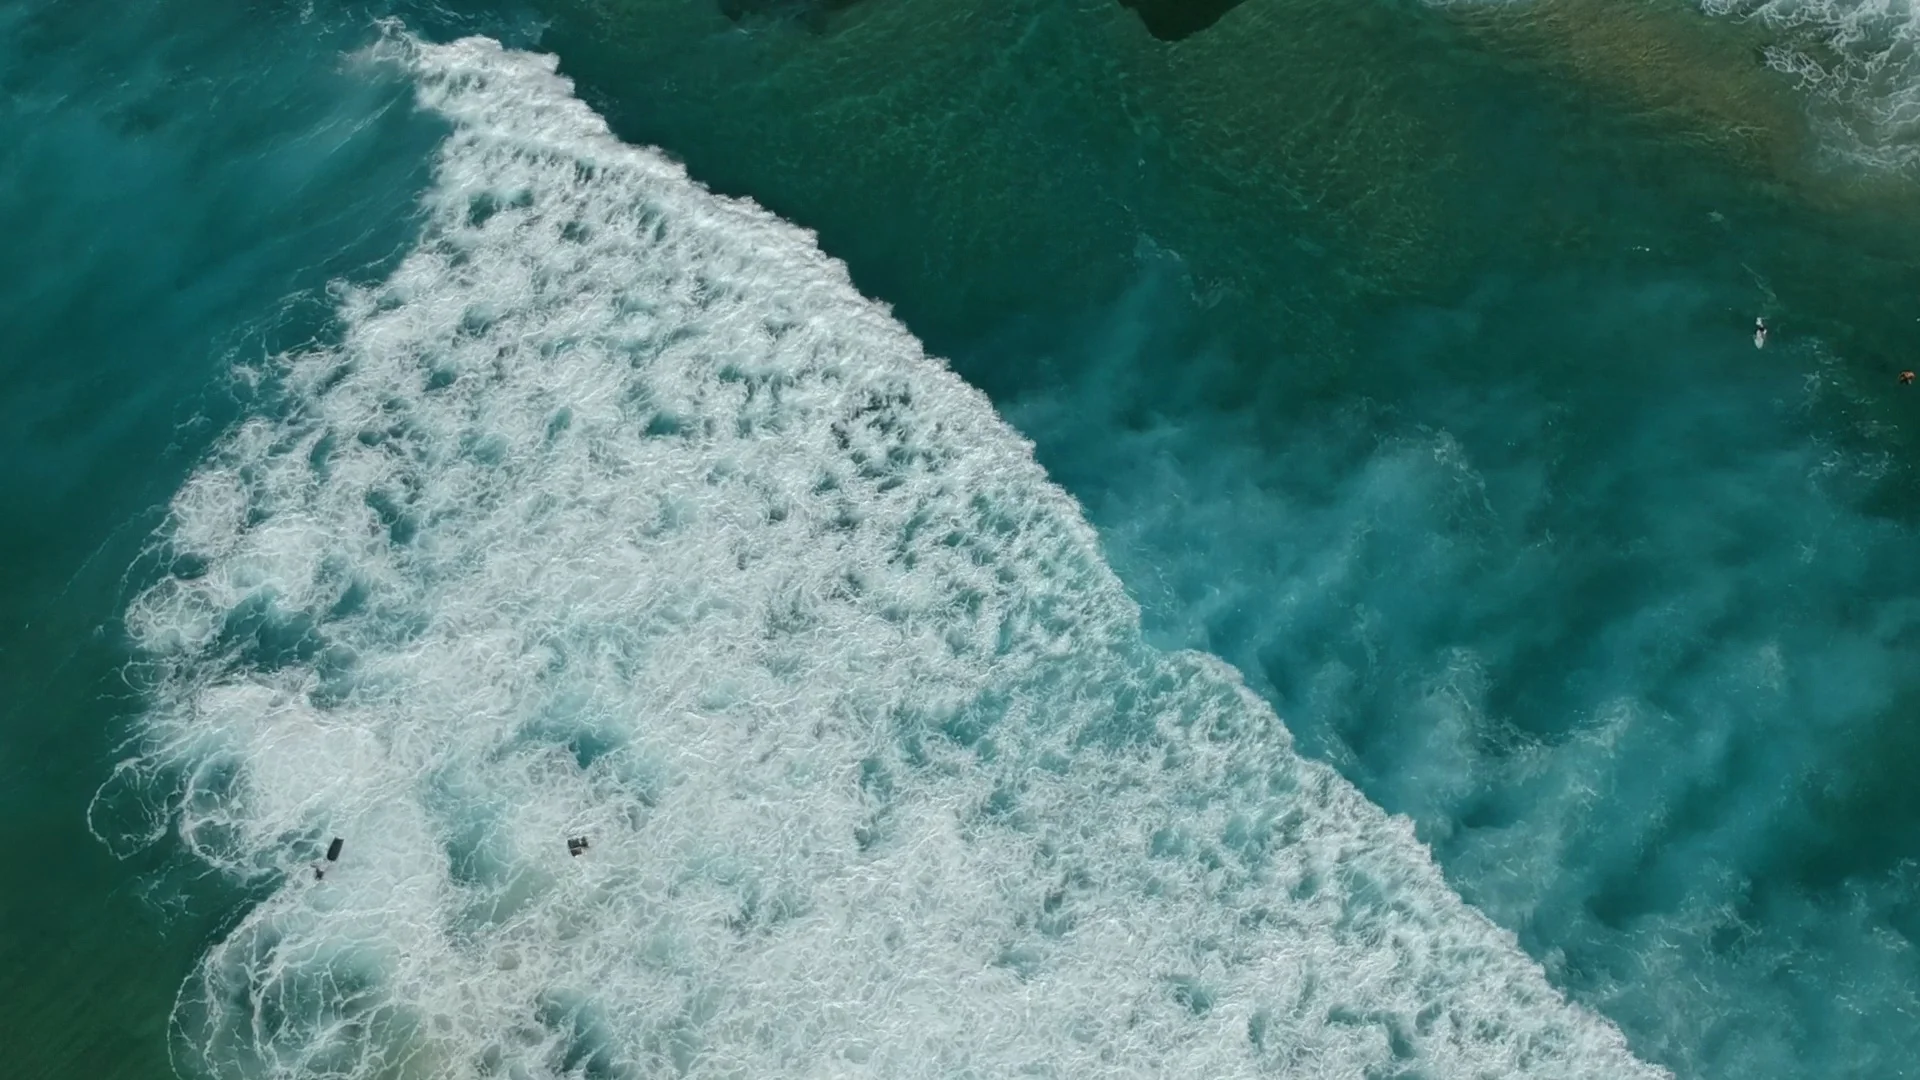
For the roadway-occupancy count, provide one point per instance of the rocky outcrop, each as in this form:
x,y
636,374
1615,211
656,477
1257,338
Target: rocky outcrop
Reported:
x,y
806,11
1171,20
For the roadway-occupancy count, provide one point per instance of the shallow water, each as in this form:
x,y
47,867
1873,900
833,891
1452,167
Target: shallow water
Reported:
x,y
1397,357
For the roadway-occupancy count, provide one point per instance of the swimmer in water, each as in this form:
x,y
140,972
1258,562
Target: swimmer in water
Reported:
x,y
1760,333
1906,378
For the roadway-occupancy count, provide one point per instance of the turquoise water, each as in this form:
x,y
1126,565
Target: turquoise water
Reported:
x,y
183,183
402,457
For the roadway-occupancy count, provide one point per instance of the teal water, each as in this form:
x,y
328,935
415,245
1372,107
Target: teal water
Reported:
x,y
440,474
183,183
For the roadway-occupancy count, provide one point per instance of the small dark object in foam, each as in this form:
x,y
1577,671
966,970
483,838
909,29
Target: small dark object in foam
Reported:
x,y
333,855
576,845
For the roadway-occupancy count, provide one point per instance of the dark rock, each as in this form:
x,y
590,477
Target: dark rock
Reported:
x,y
1171,20
810,13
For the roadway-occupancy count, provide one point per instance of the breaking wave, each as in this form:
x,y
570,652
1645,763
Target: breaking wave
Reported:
x,y
1860,62
615,511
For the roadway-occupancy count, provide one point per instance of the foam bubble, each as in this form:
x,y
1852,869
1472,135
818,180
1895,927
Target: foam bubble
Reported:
x,y
617,511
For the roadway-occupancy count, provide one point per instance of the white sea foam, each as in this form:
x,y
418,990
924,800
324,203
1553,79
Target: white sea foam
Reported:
x,y
618,512
1860,60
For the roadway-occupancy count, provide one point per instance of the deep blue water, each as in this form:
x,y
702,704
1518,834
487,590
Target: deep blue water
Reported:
x,y
428,470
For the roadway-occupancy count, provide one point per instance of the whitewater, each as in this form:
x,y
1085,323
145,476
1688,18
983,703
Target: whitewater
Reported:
x,y
616,511
1858,61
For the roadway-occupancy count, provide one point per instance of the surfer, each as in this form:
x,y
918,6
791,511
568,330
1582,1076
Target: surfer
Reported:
x,y
1760,332
333,855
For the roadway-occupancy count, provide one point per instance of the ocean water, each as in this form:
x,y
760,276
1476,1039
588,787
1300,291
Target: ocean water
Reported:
x,y
1033,539
182,183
